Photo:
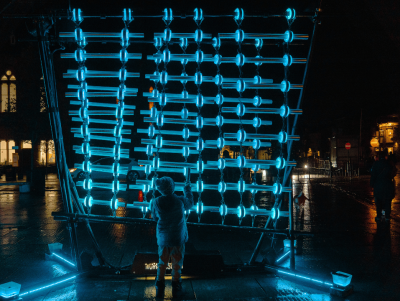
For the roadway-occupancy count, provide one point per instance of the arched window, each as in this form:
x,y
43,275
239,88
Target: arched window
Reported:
x,y
8,93
43,104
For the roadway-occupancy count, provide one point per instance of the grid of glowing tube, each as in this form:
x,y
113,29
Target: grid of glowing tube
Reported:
x,y
118,110
159,142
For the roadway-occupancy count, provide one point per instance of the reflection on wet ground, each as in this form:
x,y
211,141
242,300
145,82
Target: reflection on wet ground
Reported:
x,y
340,214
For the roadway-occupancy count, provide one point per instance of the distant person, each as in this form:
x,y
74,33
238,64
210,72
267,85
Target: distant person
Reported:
x,y
169,211
382,175
392,158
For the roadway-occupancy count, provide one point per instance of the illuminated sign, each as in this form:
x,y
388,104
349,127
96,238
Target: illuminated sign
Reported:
x,y
374,142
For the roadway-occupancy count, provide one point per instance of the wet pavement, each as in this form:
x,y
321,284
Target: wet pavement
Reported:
x,y
340,213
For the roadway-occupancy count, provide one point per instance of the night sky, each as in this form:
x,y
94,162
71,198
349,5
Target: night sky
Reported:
x,y
354,60
353,65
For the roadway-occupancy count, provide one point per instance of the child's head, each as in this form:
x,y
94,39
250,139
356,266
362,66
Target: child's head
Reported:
x,y
165,185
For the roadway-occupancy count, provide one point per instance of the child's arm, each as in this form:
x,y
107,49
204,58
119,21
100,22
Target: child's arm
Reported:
x,y
153,211
188,198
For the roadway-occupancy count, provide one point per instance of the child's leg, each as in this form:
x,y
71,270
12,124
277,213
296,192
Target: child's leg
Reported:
x,y
163,258
177,255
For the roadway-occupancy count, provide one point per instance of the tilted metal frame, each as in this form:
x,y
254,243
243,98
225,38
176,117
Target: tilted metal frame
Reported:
x,y
84,91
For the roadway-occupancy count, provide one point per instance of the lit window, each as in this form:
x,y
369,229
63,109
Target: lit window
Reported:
x,y
42,152
3,152
4,97
8,93
46,152
27,144
51,153
11,143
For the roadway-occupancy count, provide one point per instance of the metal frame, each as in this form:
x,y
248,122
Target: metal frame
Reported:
x,y
63,172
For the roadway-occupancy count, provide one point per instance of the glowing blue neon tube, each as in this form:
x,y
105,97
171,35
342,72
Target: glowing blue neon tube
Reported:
x,y
261,86
175,35
206,99
268,162
181,100
89,202
63,259
167,113
177,164
274,189
131,56
271,111
103,88
276,137
156,95
53,283
100,35
166,132
294,274
258,60
283,256
179,57
101,131
261,136
163,150
169,164
212,121
138,205
93,74
171,120
103,138
155,77
100,153
281,111
101,149
92,113
102,185
247,80
175,170
214,143
103,105
113,122
170,143
245,100
101,94
287,36
109,169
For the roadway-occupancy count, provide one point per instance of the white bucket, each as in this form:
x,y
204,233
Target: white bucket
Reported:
x,y
341,278
56,247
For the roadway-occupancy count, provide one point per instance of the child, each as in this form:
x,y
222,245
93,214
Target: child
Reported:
x,y
169,211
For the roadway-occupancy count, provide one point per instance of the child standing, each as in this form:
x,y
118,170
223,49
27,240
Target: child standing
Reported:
x,y
169,212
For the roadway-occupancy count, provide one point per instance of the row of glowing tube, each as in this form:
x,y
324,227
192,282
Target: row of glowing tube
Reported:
x,y
240,85
198,16
82,94
199,208
239,36
240,111
199,57
201,144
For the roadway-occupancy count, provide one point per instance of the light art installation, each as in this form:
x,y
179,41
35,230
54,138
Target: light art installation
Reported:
x,y
161,141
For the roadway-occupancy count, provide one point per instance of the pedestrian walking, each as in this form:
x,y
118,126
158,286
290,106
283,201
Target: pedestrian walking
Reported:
x,y
169,212
382,175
